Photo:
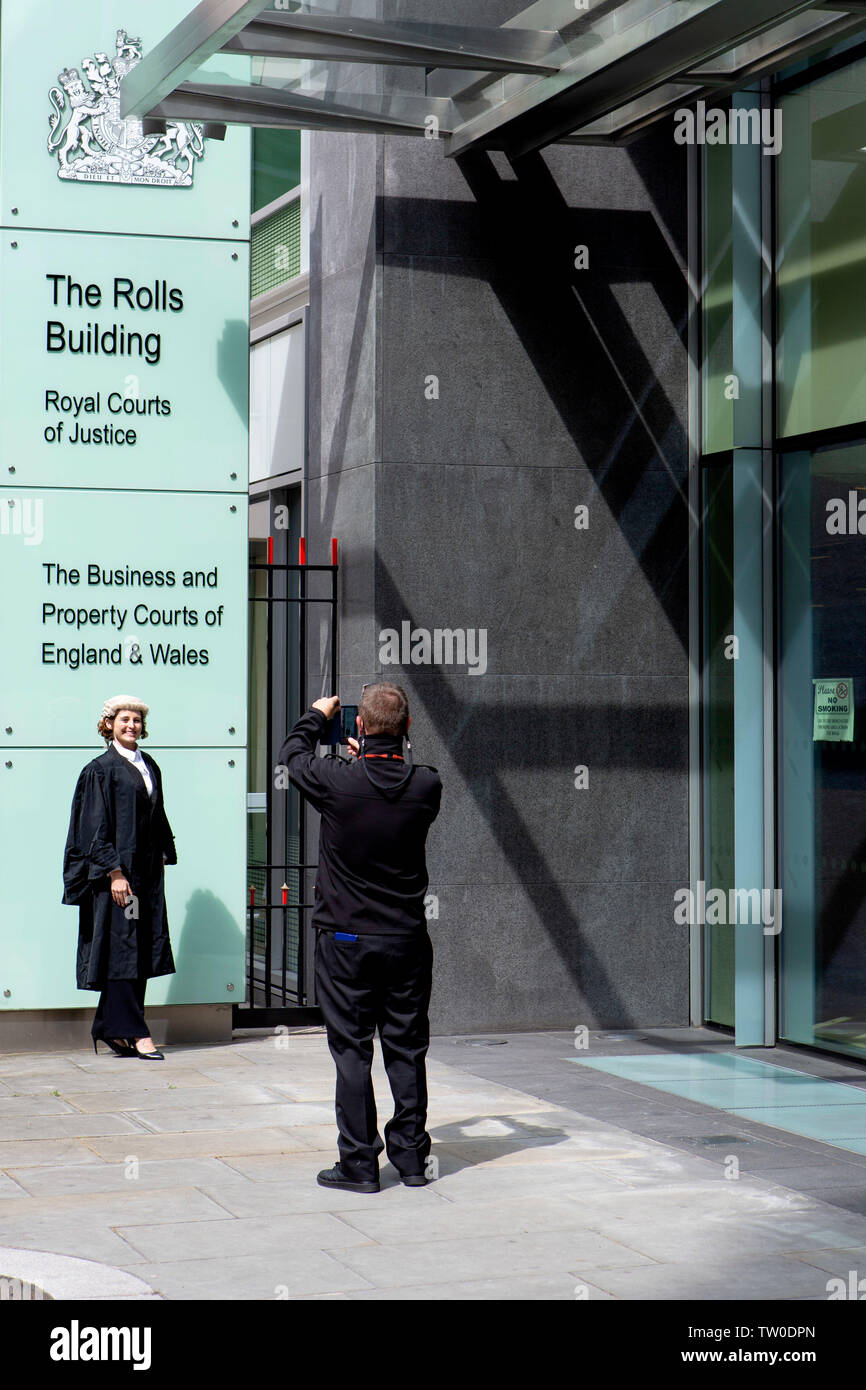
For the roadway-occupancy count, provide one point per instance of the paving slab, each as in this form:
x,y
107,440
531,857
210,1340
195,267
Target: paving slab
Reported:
x,y
222,1055
151,1175
148,1078
299,1192
13,1064
768,1278
218,1117
394,1265
529,1152
59,1126
558,1287
447,1220
654,1165
669,1236
270,1167
278,1276
68,1235
10,1187
105,1080
479,1185
14,1107
167,1097
836,1262
850,1198
274,1236
128,1207
50,1152
808,1177
202,1143
301,1086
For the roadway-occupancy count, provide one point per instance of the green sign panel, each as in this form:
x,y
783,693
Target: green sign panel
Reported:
x,y
124,383
67,160
127,359
204,795
143,592
834,711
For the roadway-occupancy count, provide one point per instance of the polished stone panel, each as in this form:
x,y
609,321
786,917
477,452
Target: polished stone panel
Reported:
x,y
454,501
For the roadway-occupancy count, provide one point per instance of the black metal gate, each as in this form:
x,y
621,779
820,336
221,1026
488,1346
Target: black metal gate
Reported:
x,y
279,985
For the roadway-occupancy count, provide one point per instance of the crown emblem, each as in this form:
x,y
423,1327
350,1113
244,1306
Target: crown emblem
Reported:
x,y
93,144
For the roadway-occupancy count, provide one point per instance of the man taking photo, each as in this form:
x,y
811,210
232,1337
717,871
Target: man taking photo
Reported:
x,y
374,957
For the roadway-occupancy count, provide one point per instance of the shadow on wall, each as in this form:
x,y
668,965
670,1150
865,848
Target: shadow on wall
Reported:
x,y
233,355
486,741
209,934
623,423
574,331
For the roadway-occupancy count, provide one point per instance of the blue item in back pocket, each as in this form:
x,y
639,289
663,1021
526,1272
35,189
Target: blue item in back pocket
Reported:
x,y
344,936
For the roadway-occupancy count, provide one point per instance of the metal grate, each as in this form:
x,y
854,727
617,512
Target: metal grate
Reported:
x,y
275,249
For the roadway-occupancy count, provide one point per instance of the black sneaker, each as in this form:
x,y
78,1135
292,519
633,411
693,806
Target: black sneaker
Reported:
x,y
336,1178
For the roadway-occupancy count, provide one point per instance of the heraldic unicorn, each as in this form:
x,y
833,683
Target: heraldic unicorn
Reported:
x,y
94,145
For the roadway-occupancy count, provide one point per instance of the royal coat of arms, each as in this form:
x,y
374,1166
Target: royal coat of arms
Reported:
x,y
94,145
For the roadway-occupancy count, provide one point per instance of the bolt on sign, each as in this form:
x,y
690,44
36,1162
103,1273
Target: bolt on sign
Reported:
x,y
834,711
124,371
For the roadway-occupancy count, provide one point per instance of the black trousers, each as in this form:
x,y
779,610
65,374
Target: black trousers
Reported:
x,y
378,982
120,1011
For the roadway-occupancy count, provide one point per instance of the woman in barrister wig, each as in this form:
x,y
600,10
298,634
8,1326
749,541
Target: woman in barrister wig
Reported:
x,y
118,844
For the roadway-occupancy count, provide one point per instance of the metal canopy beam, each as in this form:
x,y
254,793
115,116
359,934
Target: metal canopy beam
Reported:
x,y
201,34
281,106
620,125
342,39
684,35
742,65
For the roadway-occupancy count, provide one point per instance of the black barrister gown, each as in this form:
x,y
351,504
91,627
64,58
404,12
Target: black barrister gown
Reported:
x,y
115,822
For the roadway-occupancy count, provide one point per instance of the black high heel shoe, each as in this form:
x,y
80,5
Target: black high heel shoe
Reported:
x,y
154,1056
121,1049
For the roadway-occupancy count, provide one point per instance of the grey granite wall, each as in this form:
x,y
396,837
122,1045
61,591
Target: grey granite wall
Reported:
x,y
557,388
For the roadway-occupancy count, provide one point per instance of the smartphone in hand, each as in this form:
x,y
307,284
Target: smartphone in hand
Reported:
x,y
341,728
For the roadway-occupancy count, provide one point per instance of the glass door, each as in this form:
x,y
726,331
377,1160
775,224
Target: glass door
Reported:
x,y
717,481
822,746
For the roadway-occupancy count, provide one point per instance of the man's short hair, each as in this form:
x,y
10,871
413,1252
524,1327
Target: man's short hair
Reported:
x,y
385,710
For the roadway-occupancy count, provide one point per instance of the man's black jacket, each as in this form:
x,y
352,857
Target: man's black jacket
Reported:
x,y
372,866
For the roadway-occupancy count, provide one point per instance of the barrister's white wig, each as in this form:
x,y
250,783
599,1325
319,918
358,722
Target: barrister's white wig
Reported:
x,y
118,702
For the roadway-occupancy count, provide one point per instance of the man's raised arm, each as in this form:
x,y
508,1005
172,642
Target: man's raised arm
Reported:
x,y
298,754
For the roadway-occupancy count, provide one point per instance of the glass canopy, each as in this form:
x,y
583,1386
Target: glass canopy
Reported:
x,y
577,71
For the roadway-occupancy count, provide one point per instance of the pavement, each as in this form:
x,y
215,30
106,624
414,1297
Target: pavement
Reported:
x,y
195,1178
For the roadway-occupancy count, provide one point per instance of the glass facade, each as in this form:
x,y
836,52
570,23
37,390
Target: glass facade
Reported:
x,y
276,165
821,254
800,371
822,779
277,232
717,302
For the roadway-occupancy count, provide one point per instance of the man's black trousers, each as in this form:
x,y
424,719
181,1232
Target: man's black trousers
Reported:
x,y
378,982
